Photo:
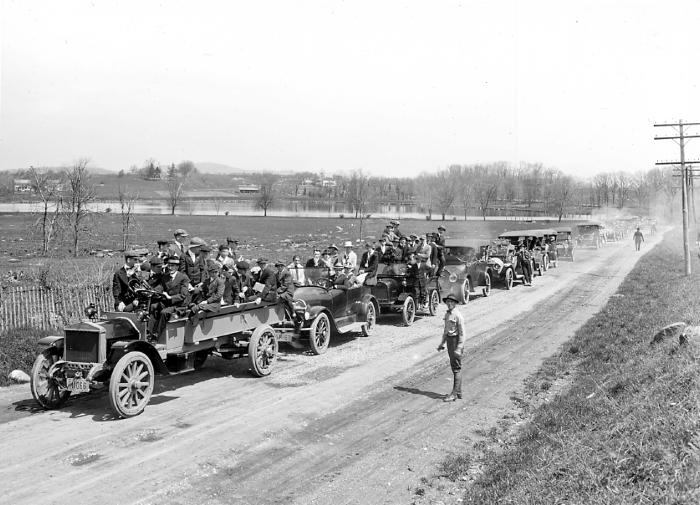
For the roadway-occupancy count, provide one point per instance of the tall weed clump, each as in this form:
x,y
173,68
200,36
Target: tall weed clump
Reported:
x,y
628,428
18,350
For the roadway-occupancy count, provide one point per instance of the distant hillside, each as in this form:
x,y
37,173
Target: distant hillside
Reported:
x,y
209,167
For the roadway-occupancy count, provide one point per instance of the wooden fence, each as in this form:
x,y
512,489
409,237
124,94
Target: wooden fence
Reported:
x,y
37,307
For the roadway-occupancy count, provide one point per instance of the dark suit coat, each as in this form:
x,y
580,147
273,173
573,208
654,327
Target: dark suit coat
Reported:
x,y
214,291
120,288
369,265
176,251
310,263
196,270
285,282
268,277
176,288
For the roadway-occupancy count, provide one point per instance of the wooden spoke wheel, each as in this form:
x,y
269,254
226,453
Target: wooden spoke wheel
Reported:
x,y
464,292
48,390
320,334
131,384
487,284
200,357
509,279
370,320
433,302
408,311
262,350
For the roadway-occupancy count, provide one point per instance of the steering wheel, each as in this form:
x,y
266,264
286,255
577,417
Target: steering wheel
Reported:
x,y
324,282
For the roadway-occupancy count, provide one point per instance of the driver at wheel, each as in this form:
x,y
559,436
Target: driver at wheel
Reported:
x,y
124,297
418,271
346,279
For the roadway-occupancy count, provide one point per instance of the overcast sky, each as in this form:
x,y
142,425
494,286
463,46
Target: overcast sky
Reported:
x,y
393,88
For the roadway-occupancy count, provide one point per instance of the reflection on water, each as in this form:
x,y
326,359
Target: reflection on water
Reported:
x,y
281,208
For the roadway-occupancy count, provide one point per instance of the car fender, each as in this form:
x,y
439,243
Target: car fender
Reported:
x,y
361,305
55,341
120,349
318,309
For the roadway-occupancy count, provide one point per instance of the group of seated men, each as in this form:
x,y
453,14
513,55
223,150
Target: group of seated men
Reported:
x,y
190,281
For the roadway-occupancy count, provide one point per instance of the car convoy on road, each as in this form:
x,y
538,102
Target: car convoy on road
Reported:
x,y
115,351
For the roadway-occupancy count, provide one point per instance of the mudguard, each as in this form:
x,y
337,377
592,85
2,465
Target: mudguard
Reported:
x,y
51,341
315,311
120,349
364,303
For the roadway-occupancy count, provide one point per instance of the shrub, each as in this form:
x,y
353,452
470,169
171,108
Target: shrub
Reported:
x,y
18,350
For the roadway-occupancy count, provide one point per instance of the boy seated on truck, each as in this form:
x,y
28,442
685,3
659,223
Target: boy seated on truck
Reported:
x,y
176,296
210,297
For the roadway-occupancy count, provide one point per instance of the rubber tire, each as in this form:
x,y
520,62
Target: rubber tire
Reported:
x,y
263,348
433,302
486,290
464,291
370,320
115,381
200,357
319,347
408,311
509,279
42,363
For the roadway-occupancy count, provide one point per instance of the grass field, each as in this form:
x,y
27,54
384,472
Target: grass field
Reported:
x,y
272,237
627,429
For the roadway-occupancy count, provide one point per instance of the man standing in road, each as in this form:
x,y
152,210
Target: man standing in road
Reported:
x,y
453,336
638,239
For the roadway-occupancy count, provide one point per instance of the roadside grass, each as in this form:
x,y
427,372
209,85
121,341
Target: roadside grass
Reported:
x,y
18,350
627,429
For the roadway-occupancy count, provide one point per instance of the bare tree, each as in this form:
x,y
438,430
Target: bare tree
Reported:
x,y
217,204
47,188
357,192
126,206
560,194
81,193
445,188
266,198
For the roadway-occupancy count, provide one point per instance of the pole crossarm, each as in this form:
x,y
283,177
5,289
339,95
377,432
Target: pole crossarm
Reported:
x,y
678,137
676,162
676,124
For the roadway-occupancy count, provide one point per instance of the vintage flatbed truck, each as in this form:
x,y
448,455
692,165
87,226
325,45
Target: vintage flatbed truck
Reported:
x,y
115,351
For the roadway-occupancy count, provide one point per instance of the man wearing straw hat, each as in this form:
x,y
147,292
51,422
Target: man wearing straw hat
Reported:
x,y
349,257
453,336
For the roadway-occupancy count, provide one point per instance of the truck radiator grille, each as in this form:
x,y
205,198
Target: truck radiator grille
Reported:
x,y
82,346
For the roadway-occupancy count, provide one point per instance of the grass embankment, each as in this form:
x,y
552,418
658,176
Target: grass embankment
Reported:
x,y
18,350
627,430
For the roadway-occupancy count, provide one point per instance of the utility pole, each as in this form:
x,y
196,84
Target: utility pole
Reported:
x,y
685,176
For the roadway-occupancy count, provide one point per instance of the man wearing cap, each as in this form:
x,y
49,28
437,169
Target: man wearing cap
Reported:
x,y
174,287
439,240
389,233
211,295
346,279
124,297
401,250
165,249
236,284
349,257
418,271
196,266
395,223
335,258
268,277
156,271
369,263
224,258
423,250
382,247
182,241
453,335
285,287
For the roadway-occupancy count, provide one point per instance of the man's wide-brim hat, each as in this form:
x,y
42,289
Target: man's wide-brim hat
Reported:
x,y
332,246
347,244
451,298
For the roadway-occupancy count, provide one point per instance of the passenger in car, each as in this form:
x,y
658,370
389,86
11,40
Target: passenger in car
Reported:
x,y
211,295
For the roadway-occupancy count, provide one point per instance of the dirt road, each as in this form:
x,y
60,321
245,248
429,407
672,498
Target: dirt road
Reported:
x,y
361,424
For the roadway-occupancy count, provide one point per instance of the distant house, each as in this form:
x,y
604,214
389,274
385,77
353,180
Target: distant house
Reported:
x,y
249,188
22,186
328,183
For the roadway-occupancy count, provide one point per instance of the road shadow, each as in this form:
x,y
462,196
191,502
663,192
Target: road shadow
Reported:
x,y
415,391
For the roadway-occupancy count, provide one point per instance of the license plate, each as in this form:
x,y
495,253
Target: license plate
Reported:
x,y
78,385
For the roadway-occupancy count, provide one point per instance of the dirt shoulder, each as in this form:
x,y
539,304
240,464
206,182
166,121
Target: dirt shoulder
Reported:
x,y
365,420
